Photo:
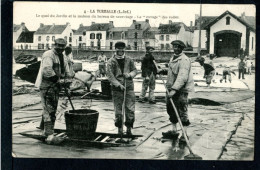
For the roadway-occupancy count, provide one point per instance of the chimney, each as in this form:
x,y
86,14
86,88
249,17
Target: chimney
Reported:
x,y
81,25
147,20
191,23
22,24
92,23
67,23
197,16
111,22
41,24
243,15
170,21
134,21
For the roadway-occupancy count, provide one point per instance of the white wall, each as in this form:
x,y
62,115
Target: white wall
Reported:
x,y
252,50
102,41
195,42
234,26
66,32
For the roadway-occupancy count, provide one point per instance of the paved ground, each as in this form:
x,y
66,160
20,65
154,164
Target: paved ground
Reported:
x,y
224,132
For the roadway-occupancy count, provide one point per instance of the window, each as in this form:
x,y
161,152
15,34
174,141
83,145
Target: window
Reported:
x,y
122,35
70,45
167,46
92,36
111,46
80,38
47,38
80,45
111,35
138,26
162,46
161,37
65,38
70,39
40,46
167,37
252,43
92,43
70,34
47,46
135,45
227,20
136,34
39,38
53,38
99,36
84,33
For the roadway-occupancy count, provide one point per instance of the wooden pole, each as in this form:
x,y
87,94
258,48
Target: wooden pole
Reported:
x,y
199,46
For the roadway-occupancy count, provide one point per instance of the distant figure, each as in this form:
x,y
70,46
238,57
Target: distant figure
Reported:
x,y
68,57
227,73
248,66
209,69
102,59
148,73
241,68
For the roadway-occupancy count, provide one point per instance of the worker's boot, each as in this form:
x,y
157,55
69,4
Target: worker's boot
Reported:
x,y
128,131
171,134
120,131
41,125
48,128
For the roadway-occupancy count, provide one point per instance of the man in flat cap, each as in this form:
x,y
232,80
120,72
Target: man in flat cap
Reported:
x,y
209,69
120,71
148,73
53,68
179,84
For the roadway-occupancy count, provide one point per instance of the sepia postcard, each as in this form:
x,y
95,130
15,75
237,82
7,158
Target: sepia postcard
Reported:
x,y
133,80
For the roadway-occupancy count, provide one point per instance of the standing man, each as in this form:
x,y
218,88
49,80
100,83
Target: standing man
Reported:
x,y
121,68
241,68
102,59
179,84
148,73
52,69
209,69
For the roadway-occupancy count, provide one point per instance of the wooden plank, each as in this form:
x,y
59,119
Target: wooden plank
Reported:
x,y
98,137
105,139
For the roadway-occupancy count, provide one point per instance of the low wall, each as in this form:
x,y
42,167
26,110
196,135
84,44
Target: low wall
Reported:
x,y
83,54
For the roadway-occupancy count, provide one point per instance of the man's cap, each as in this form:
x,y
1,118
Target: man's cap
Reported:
x,y
178,42
120,45
200,59
60,41
149,48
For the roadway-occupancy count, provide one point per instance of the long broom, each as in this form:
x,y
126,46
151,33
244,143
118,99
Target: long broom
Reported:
x,y
191,156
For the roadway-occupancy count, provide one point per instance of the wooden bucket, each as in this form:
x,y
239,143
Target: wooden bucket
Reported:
x,y
81,123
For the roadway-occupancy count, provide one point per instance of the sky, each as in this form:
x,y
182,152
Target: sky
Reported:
x,y
59,13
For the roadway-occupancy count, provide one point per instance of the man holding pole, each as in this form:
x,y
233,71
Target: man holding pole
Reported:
x,y
120,72
148,73
179,84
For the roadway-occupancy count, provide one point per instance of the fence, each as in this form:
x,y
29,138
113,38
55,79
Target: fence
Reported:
x,y
96,48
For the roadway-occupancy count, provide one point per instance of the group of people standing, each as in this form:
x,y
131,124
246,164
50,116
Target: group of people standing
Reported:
x,y
120,72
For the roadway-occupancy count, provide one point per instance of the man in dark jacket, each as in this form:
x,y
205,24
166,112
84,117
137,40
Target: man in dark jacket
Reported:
x,y
209,70
148,73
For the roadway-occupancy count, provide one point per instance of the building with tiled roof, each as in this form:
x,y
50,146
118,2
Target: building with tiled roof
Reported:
x,y
170,32
45,35
115,35
97,35
17,31
79,36
226,35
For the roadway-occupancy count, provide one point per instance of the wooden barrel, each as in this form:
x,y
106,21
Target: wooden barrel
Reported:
x,y
81,123
106,88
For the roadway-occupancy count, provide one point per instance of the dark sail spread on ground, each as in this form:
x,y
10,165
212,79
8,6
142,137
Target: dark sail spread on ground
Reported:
x,y
29,73
26,59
